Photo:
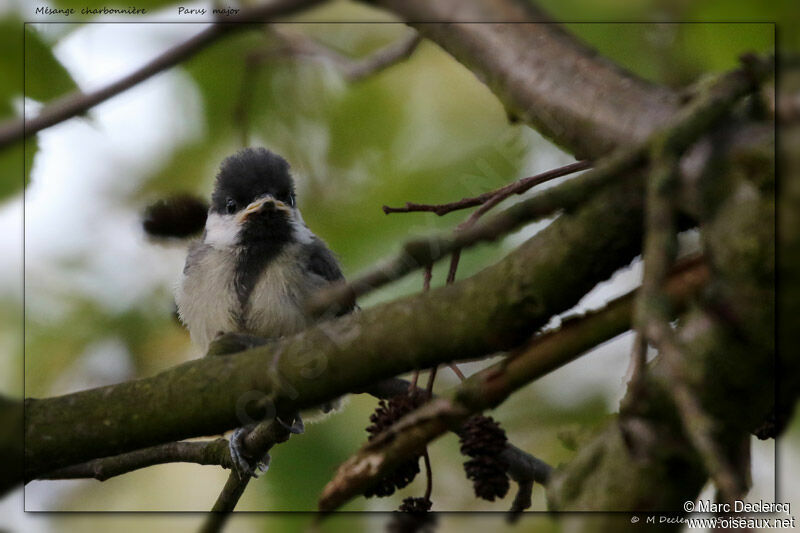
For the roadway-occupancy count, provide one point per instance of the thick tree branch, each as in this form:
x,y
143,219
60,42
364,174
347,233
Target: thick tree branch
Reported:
x,y
523,468
542,75
546,275
643,461
12,416
646,460
491,386
77,103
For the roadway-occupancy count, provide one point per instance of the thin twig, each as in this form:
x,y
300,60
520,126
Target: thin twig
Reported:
x,y
214,452
518,187
231,492
451,271
428,474
523,185
699,426
501,194
426,286
638,361
422,252
414,379
457,371
383,58
525,469
296,44
661,243
299,45
431,378
78,103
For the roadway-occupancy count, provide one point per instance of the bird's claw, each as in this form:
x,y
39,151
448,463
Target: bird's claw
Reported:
x,y
243,465
296,427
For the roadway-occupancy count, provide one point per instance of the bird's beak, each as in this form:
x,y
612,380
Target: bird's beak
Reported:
x,y
259,204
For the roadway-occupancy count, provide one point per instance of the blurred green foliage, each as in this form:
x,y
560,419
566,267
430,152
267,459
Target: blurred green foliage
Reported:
x,y
44,83
424,130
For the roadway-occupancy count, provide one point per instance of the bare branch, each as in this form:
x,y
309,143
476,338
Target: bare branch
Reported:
x,y
353,70
501,194
298,45
518,187
77,103
213,452
383,58
523,468
422,252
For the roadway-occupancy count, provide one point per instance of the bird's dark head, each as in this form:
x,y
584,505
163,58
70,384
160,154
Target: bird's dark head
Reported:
x,y
253,201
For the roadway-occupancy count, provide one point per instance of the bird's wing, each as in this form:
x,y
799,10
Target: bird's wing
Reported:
x,y
323,263
197,249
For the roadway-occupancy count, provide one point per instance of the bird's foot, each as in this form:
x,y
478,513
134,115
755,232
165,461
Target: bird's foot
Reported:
x,y
228,343
243,464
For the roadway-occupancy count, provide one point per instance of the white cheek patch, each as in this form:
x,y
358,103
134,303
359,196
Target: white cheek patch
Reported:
x,y
301,231
221,230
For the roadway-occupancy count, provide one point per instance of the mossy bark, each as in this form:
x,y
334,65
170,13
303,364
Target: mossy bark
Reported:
x,y
643,461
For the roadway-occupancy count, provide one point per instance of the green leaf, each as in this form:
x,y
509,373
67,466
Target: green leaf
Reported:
x,y
45,77
15,167
11,62
14,164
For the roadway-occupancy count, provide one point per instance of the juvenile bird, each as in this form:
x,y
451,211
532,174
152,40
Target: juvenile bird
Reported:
x,y
256,263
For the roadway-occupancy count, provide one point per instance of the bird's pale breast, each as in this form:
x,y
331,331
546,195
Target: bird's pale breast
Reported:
x,y
207,302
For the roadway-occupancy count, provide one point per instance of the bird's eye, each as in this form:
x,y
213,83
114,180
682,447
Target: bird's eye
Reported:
x,y
230,206
291,200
